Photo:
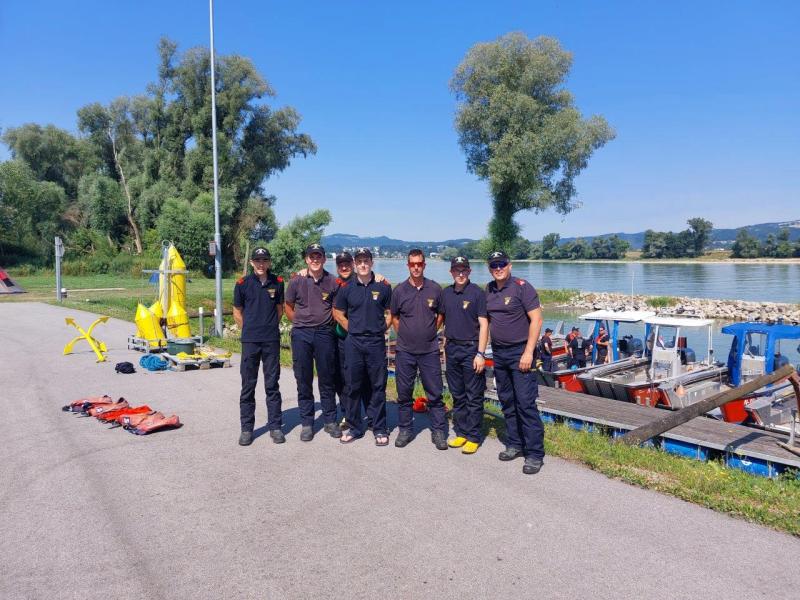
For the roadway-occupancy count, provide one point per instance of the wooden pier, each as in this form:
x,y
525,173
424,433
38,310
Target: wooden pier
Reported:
x,y
752,450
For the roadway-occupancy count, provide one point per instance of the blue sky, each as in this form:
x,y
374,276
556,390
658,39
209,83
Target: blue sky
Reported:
x,y
704,97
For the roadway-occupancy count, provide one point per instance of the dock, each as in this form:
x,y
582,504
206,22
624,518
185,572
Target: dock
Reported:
x,y
749,449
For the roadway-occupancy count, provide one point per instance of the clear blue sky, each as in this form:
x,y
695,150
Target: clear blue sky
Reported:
x,y
704,96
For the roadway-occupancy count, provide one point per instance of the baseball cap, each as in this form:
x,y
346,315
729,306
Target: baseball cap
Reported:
x,y
363,252
548,330
314,248
260,253
497,255
344,257
459,261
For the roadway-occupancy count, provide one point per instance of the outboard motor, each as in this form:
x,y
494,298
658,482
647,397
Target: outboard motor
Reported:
x,y
623,346
635,347
687,356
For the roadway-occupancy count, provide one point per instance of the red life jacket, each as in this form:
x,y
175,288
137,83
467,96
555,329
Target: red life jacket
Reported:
x,y
155,422
101,407
131,421
78,405
111,415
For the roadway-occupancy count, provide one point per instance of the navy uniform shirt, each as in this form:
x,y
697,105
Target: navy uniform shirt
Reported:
x,y
417,310
508,311
364,305
579,346
312,300
259,303
461,310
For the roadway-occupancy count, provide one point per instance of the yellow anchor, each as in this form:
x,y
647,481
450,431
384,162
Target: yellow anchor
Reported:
x,y
98,346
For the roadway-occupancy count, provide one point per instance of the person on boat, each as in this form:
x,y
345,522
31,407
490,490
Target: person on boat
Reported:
x,y
466,329
546,350
515,320
257,310
570,335
309,301
578,348
361,308
416,319
602,343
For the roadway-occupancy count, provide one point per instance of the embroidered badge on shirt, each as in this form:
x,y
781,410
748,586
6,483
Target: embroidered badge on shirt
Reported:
x,y
506,300
375,295
465,304
430,302
325,295
271,292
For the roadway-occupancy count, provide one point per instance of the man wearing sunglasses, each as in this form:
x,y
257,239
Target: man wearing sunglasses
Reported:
x,y
257,310
308,306
416,319
361,308
515,320
466,328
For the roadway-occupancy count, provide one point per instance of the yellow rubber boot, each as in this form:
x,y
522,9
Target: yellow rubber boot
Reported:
x,y
457,442
469,448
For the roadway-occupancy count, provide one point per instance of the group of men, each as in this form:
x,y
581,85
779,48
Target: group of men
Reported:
x,y
339,326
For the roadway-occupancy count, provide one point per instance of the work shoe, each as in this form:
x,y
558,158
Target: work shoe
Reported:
x,y
403,438
457,442
246,438
439,439
510,453
532,465
344,425
333,430
470,448
277,436
307,433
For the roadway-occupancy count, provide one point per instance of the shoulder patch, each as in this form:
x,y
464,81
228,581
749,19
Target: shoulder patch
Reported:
x,y
521,281
240,280
280,279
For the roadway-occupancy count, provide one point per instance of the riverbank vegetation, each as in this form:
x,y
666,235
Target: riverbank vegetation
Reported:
x,y
775,246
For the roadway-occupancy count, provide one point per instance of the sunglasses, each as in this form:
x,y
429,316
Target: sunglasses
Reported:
x,y
460,272
417,265
500,264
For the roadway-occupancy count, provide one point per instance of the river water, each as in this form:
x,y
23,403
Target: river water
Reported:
x,y
759,281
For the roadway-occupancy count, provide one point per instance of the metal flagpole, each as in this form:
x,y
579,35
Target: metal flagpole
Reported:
x,y
217,235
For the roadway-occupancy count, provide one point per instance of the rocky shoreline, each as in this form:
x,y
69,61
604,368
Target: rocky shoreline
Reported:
x,y
730,310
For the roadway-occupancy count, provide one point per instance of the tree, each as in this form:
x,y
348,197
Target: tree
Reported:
x,y
745,246
654,244
550,249
769,248
520,129
700,234
784,247
291,240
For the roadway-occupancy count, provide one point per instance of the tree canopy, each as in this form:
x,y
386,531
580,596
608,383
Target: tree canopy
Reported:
x,y
520,130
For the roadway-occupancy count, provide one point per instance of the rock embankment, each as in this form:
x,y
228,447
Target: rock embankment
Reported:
x,y
731,310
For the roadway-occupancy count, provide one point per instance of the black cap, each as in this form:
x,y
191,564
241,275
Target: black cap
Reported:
x,y
548,330
497,255
364,251
459,261
575,329
314,248
344,257
260,253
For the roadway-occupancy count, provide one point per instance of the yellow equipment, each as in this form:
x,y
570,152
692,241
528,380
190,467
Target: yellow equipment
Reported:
x,y
148,326
96,345
177,286
178,322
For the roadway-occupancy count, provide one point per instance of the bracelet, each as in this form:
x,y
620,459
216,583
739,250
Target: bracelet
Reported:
x,y
481,354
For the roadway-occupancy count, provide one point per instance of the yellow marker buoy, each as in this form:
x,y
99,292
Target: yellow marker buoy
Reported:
x,y
178,321
177,289
147,325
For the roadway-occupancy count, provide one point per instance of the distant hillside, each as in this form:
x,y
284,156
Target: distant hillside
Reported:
x,y
346,240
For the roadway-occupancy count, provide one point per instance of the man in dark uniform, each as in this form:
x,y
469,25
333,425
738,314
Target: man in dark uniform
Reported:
x,y
415,308
361,309
309,300
466,328
257,310
578,348
602,346
546,350
515,319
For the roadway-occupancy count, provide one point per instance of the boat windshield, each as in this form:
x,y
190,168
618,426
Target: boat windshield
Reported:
x,y
666,337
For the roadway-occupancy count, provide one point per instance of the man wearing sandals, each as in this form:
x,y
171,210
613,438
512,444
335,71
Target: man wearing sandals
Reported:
x,y
515,319
416,319
361,309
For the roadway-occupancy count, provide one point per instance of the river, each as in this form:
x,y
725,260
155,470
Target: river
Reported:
x,y
766,282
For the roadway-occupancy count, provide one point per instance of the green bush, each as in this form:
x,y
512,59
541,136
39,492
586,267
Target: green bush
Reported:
x,y
661,301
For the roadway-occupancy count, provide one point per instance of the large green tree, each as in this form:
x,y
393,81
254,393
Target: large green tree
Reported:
x,y
520,129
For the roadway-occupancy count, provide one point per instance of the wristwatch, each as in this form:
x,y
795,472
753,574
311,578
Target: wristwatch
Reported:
x,y
481,354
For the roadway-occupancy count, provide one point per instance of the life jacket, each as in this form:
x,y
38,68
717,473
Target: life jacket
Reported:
x,y
111,415
77,405
155,422
98,409
131,421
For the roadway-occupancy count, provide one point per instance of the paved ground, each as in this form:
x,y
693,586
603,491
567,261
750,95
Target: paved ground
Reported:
x,y
87,512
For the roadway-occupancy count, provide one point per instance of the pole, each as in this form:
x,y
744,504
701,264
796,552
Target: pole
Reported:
x,y
673,419
59,254
217,235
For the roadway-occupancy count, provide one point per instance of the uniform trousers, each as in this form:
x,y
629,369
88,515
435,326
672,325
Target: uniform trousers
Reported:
x,y
518,392
467,389
429,367
268,356
310,346
341,381
365,356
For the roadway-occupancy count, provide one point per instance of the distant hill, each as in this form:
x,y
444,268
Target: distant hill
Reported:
x,y
720,238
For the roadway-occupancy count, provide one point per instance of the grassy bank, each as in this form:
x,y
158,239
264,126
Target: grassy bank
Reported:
x,y
772,503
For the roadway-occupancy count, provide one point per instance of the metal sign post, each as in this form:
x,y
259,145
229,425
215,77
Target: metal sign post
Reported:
x,y
59,256
217,235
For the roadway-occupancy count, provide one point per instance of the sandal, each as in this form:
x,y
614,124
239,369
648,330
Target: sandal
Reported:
x,y
381,439
348,437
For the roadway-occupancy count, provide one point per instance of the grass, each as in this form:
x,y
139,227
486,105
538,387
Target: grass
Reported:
x,y
772,503
661,301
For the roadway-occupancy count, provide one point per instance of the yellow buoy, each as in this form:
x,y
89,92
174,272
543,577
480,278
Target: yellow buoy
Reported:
x,y
156,309
178,321
147,325
177,289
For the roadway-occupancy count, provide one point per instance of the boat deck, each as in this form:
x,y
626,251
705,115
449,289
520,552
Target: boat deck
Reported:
x,y
746,448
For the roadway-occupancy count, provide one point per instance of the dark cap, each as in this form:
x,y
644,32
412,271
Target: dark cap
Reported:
x,y
497,255
548,330
459,261
574,329
344,257
260,253
314,248
363,252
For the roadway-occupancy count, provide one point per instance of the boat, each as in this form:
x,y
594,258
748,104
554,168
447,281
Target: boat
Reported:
x,y
622,350
669,363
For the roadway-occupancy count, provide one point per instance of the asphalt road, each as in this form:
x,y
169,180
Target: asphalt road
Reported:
x,y
87,512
